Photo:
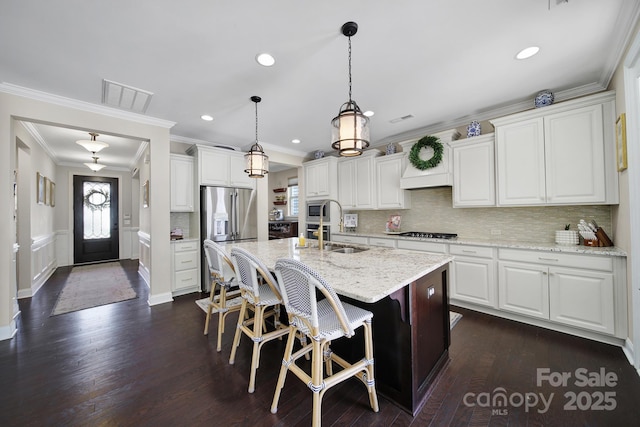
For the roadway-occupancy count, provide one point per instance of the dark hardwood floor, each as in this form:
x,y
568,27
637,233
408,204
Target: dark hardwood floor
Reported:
x,y
128,364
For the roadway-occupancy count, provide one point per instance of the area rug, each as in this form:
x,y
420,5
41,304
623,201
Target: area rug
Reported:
x,y
454,318
232,301
94,285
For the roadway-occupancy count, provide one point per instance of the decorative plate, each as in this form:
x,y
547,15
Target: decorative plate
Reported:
x,y
473,129
543,99
318,154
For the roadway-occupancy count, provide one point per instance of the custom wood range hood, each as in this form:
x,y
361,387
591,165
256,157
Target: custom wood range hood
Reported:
x,y
441,175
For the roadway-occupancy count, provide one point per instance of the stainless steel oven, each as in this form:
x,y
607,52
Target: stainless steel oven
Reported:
x,y
312,228
315,211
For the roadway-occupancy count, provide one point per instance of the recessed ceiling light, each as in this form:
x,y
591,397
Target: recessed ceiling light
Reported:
x,y
206,117
265,59
368,113
527,52
295,141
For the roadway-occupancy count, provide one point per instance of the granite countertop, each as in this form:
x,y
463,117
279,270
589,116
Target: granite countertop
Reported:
x,y
539,246
366,276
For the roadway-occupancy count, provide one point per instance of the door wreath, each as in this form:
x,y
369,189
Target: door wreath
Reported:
x,y
427,141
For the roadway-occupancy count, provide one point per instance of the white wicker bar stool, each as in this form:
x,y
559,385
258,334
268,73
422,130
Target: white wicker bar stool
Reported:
x,y
260,292
322,321
222,275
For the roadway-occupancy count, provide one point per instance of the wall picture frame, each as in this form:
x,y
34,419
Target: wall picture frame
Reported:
x,y
621,142
52,194
145,194
40,191
47,191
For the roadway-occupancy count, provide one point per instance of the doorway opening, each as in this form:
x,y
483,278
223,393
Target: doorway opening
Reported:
x,y
95,219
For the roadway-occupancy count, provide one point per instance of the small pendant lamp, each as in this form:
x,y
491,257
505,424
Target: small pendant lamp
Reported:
x,y
256,161
350,128
93,146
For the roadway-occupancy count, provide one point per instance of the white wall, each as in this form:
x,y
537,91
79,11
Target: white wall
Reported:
x,y
18,104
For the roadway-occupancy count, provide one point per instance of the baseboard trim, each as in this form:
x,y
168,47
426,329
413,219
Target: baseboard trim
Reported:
x,y
160,299
9,331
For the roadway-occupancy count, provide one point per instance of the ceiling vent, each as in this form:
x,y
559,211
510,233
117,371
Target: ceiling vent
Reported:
x,y
125,97
401,119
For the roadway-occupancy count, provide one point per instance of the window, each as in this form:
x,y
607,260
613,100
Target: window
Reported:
x,y
292,195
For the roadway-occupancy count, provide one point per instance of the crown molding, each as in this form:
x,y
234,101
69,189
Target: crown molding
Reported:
x,y
489,114
31,129
83,106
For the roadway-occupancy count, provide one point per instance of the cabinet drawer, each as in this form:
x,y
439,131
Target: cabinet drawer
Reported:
x,y
386,243
414,245
191,245
475,251
186,279
359,240
185,260
560,259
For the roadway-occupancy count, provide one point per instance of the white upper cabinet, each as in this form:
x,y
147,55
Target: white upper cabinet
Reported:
x,y
474,172
221,167
558,155
389,170
357,181
321,178
182,188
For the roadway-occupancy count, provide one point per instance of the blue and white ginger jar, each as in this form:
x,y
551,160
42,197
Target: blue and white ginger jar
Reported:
x,y
473,129
543,99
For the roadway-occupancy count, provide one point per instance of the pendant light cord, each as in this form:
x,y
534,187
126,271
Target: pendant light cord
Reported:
x,y
256,122
349,69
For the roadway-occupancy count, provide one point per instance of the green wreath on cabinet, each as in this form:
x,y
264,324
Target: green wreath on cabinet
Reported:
x,y
427,141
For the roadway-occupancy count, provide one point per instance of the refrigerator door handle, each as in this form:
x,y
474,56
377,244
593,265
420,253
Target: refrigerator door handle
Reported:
x,y
234,215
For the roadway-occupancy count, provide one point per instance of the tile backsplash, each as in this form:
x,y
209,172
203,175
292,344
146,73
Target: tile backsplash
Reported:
x,y
432,211
181,220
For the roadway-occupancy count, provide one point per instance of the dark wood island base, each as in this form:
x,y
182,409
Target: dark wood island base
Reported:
x,y
411,339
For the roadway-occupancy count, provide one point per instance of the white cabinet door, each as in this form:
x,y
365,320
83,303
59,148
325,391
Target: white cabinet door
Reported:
x,y
182,186
474,172
520,163
237,176
582,298
473,280
524,289
213,167
574,154
346,184
317,180
365,195
388,173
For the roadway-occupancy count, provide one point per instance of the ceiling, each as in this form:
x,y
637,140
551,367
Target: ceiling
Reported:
x,y
444,63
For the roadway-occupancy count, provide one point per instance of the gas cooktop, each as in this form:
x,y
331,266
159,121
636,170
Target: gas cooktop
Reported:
x,y
429,235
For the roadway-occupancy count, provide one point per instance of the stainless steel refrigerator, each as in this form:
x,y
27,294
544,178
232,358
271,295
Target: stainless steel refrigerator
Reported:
x,y
226,215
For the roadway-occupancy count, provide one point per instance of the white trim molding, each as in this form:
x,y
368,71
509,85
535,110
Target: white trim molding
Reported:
x,y
43,263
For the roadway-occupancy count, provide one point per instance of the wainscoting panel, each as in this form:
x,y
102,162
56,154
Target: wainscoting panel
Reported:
x,y
43,262
144,258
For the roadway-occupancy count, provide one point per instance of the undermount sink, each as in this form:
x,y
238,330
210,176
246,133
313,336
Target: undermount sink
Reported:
x,y
348,250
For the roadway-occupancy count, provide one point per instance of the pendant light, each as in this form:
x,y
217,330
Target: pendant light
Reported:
x,y
257,162
93,146
350,128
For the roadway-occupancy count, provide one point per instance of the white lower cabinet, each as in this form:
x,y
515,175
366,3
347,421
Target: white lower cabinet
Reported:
x,y
473,277
573,290
185,255
582,299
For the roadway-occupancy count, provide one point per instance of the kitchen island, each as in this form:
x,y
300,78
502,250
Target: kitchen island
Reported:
x,y
407,293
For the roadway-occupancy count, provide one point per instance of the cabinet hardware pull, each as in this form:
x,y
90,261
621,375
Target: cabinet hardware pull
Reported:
x,y
544,273
547,259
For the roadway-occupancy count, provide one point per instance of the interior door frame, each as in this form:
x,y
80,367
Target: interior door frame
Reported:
x,y
632,108
70,240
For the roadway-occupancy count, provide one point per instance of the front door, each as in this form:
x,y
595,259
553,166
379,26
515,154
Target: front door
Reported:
x,y
95,219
